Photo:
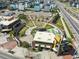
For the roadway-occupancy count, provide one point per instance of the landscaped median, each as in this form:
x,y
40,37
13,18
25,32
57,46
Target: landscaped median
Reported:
x,y
69,37
22,32
67,30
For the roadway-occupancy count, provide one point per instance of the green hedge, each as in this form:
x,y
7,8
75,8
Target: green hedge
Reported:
x,y
59,24
48,26
25,44
22,32
70,39
22,17
33,32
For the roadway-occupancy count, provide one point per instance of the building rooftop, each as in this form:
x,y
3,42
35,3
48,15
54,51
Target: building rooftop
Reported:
x,y
7,18
46,37
7,22
7,15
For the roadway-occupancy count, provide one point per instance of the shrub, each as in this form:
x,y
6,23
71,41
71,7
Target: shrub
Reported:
x,y
25,44
33,32
23,17
48,26
22,32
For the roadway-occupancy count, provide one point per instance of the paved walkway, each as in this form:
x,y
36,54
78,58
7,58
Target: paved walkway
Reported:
x,y
47,55
7,56
28,38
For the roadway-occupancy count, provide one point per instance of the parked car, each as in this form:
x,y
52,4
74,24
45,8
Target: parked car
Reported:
x,y
66,48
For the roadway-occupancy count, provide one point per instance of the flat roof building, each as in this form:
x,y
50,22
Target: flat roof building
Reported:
x,y
43,39
47,7
21,6
47,39
7,18
8,22
13,6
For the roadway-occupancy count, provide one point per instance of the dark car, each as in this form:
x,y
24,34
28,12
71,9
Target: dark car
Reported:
x,y
66,48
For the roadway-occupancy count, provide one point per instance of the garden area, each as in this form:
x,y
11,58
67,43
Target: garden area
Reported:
x,y
29,23
59,24
56,19
39,23
41,29
71,34
48,27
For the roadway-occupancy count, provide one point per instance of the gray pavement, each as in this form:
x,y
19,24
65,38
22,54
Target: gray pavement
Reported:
x,y
7,56
47,55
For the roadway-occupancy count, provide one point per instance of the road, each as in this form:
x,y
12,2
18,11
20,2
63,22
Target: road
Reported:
x,y
74,26
6,56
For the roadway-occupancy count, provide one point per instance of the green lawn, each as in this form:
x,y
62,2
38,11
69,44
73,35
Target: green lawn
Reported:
x,y
39,23
22,32
74,10
67,4
59,24
69,30
33,32
29,23
48,26
36,29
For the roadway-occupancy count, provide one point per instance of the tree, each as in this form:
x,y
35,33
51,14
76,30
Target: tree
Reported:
x,y
11,33
25,44
39,48
56,17
12,52
54,10
22,16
